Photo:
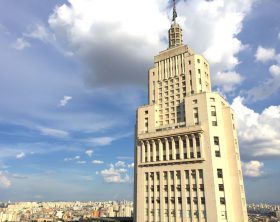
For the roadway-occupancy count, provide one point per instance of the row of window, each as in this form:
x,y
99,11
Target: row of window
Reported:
x,y
178,188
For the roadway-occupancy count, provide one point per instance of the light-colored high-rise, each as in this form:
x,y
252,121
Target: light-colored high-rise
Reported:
x,y
187,163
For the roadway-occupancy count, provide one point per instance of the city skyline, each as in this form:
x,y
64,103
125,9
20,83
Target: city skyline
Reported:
x,y
65,136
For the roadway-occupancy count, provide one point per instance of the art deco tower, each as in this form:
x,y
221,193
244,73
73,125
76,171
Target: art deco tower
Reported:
x,y
187,163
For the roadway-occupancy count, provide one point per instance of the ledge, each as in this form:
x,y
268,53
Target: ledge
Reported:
x,y
171,162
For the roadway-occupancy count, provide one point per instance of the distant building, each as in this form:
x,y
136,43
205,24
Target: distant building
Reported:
x,y
187,165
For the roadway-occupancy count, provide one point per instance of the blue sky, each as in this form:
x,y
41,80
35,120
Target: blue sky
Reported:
x,y
74,72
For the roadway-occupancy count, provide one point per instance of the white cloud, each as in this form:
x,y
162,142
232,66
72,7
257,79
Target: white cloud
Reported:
x,y
120,164
40,32
270,85
127,40
258,132
252,168
97,162
102,141
81,162
107,140
130,165
227,80
274,70
20,155
64,101
222,21
89,153
265,54
21,44
54,132
113,175
72,158
4,181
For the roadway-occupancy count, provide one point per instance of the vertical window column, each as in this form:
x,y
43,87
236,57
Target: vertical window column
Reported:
x,y
173,148
166,148
188,147
193,143
200,135
148,151
198,196
160,150
154,150
181,150
143,151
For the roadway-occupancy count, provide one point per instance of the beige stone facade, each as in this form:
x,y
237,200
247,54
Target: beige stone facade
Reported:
x,y
187,163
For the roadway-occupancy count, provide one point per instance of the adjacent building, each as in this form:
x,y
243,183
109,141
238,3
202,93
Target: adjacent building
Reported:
x,y
187,162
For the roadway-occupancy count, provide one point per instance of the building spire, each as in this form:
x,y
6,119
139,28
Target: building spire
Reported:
x,y
175,31
174,11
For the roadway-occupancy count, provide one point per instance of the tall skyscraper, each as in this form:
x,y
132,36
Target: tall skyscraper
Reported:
x,y
187,163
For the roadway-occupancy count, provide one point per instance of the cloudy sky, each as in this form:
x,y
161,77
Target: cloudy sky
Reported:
x,y
73,72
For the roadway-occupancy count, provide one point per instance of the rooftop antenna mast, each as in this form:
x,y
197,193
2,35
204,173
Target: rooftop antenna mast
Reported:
x,y
174,11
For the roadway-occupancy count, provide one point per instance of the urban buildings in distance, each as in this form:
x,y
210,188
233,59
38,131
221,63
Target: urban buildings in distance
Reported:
x,y
64,211
187,163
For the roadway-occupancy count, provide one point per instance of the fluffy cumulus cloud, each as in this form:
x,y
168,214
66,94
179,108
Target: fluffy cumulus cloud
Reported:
x,y
21,44
127,35
252,168
20,155
274,70
124,35
258,132
64,101
211,28
113,175
227,80
264,54
4,181
270,85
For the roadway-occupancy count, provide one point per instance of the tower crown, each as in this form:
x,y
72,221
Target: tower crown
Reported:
x,y
175,31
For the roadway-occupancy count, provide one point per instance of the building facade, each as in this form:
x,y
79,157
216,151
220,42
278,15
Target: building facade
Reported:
x,y
187,163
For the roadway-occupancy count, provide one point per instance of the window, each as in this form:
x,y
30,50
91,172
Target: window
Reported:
x,y
216,140
217,153
221,187
146,111
158,188
178,187
202,199
188,200
214,123
220,173
222,200
200,172
198,60
201,187
180,200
